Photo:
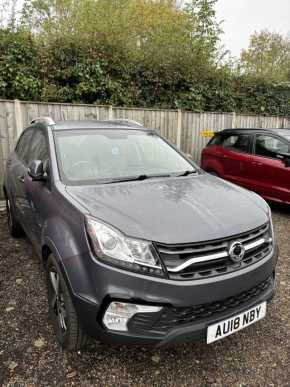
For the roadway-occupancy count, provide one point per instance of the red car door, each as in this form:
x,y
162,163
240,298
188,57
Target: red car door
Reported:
x,y
269,174
236,158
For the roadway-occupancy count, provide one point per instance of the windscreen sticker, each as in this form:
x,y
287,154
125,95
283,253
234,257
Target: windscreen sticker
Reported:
x,y
115,151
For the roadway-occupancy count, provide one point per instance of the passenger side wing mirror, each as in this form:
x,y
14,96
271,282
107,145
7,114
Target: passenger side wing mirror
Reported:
x,y
36,170
287,162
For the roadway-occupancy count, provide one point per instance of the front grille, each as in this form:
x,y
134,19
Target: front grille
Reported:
x,y
171,317
208,259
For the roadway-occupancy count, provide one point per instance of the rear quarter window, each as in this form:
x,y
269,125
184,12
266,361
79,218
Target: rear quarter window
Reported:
x,y
216,140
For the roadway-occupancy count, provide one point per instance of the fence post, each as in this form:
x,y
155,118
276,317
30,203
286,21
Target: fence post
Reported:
x,y
179,129
18,118
233,120
110,112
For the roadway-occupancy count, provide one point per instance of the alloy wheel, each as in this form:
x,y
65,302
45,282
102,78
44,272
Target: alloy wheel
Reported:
x,y
8,212
56,301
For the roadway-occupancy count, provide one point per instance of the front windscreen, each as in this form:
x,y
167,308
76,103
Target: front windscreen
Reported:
x,y
92,156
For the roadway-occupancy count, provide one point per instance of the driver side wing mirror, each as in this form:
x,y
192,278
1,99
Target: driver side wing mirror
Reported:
x,y
36,170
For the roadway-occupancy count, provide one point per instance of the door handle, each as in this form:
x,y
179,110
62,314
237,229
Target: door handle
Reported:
x,y
21,178
256,163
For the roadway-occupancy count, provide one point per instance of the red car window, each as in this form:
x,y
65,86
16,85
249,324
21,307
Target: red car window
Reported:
x,y
269,146
237,142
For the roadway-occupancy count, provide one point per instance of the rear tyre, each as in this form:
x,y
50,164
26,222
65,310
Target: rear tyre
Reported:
x,y
14,227
67,327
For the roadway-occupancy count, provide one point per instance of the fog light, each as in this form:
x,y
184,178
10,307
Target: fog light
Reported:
x,y
119,313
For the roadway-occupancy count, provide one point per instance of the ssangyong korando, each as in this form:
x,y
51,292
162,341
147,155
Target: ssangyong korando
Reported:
x,y
139,244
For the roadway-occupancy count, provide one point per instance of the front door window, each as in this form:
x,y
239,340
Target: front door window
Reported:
x,y
270,146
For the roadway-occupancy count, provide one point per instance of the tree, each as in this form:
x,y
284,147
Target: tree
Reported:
x,y
204,25
151,47
19,71
268,57
146,53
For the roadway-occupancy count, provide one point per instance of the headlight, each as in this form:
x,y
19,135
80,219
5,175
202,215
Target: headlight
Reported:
x,y
111,246
271,224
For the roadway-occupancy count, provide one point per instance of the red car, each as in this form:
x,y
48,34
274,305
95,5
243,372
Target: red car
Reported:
x,y
257,159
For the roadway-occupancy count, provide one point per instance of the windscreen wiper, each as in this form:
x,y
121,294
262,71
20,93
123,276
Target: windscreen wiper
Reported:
x,y
134,178
186,173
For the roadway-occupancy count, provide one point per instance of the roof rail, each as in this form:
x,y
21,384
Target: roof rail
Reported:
x,y
43,120
126,121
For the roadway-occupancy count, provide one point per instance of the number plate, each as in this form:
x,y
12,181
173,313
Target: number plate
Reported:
x,y
236,323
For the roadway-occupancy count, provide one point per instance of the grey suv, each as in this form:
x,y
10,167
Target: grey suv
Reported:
x,y
139,244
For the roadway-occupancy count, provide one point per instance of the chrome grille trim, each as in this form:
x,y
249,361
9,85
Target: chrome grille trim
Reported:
x,y
212,245
257,243
211,257
191,250
198,260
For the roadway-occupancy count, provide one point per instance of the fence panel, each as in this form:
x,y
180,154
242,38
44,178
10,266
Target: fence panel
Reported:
x,y
253,121
194,123
178,127
164,121
7,135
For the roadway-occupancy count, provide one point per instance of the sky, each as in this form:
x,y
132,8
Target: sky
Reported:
x,y
243,17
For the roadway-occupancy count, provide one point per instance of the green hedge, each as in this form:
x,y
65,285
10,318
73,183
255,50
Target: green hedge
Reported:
x,y
68,71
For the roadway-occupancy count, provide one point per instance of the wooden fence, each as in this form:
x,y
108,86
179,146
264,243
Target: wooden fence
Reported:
x,y
182,128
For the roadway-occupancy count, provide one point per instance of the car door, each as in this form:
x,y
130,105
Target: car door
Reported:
x,y
37,192
236,157
268,172
212,156
17,174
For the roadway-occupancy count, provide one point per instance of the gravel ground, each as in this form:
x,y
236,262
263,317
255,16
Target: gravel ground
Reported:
x,y
29,355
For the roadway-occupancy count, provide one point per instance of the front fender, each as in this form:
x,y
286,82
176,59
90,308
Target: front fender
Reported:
x,y
70,248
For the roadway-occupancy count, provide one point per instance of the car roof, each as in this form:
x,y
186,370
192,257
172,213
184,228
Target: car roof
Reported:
x,y
93,124
280,132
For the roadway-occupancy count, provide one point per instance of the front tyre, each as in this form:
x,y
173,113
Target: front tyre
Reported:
x,y
68,330
14,227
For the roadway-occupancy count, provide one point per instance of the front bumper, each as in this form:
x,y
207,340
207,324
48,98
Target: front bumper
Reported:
x,y
113,284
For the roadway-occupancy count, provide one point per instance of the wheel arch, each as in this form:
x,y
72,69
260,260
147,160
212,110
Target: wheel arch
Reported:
x,y
45,253
215,167
73,268
48,248
212,171
4,191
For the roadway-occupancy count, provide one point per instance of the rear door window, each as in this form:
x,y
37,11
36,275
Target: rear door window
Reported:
x,y
237,142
